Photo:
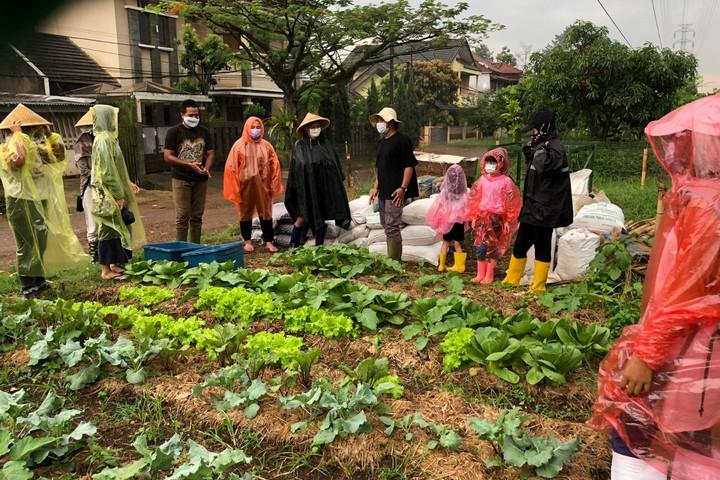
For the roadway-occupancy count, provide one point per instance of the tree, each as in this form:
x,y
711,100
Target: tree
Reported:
x,y
436,85
312,39
372,105
600,84
406,104
506,56
484,113
203,58
483,51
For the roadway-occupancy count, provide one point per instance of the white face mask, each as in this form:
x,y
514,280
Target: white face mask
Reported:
x,y
191,122
490,168
314,132
381,127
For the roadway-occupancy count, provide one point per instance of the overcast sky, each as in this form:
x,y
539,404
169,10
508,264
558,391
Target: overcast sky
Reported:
x,y
536,22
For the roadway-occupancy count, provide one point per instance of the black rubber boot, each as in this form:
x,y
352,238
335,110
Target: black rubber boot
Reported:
x,y
320,235
295,237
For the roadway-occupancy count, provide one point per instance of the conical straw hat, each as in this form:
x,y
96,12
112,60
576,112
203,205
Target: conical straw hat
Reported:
x,y
310,118
86,120
24,116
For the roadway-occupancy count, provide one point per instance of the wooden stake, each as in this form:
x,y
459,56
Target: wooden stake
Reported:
x,y
644,168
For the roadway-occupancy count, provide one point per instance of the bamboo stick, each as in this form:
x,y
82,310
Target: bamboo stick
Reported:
x,y
643,176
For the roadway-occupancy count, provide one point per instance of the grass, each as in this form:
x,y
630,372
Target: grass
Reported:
x,y
148,411
71,283
229,234
637,203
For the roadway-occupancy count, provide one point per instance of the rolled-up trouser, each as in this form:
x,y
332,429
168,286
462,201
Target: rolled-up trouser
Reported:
x,y
268,232
91,228
189,200
391,218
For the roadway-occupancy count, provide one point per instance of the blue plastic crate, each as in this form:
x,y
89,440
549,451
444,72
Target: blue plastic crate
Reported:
x,y
217,253
169,250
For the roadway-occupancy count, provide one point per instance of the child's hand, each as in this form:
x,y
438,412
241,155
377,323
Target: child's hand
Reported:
x,y
637,377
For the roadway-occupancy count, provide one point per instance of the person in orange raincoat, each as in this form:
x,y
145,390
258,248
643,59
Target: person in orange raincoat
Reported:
x,y
659,387
252,180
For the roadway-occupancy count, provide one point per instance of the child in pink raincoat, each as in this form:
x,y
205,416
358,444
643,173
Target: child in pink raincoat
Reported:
x,y
493,209
448,215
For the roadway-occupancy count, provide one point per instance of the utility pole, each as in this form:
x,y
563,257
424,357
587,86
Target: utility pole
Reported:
x,y
684,37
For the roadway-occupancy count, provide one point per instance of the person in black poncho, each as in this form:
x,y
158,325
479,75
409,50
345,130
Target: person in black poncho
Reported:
x,y
315,191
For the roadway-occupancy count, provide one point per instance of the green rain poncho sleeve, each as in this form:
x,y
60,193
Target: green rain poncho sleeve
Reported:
x,y
110,182
37,210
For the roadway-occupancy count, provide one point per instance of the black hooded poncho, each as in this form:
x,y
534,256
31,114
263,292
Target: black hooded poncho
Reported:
x,y
315,190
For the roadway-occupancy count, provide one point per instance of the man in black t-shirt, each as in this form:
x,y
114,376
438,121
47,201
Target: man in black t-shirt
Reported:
x,y
396,179
189,150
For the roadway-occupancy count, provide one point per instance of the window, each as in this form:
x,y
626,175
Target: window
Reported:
x,y
164,31
145,34
246,77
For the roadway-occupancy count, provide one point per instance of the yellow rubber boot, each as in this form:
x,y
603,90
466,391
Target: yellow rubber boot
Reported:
x,y
515,271
459,265
540,278
441,266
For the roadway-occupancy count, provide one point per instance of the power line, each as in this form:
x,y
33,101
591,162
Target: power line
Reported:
x,y
616,25
652,2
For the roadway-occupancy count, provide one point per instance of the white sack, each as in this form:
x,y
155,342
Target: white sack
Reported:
x,y
600,218
377,236
360,242
576,249
419,235
416,212
373,221
348,236
580,181
360,208
412,253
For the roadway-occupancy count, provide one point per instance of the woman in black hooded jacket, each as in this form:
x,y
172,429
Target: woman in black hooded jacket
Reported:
x,y
315,192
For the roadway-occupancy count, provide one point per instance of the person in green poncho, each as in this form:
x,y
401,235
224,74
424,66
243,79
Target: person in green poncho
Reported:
x,y
32,162
114,207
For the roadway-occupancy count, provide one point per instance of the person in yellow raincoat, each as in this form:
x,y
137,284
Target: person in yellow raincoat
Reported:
x,y
252,181
32,162
114,207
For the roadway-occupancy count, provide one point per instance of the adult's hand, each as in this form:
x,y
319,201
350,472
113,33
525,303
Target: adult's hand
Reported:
x,y
637,377
527,152
398,196
373,194
121,203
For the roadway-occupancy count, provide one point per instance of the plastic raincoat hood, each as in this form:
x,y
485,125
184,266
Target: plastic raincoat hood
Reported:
x,y
110,182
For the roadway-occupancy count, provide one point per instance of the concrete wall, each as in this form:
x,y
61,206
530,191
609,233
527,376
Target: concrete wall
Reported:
x,y
93,26
101,28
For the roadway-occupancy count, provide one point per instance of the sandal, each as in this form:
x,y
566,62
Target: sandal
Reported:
x,y
118,277
247,248
271,247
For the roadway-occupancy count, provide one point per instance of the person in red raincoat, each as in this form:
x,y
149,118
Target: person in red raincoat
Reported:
x,y
659,387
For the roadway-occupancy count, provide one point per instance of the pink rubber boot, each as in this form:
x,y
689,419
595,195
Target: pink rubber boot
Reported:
x,y
489,273
481,268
